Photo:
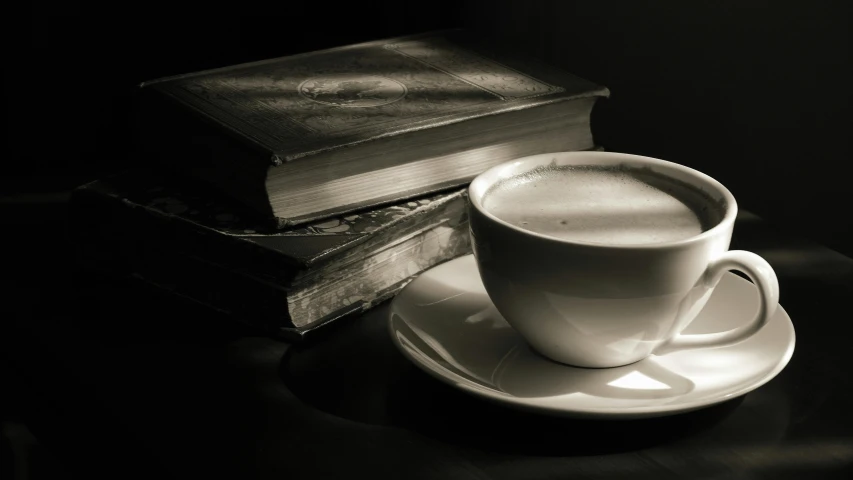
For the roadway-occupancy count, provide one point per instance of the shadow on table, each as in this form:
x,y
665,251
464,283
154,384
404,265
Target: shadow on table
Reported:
x,y
356,373
420,403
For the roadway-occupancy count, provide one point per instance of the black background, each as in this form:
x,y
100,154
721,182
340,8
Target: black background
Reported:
x,y
753,93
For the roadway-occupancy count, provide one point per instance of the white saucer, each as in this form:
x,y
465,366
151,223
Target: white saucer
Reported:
x,y
444,322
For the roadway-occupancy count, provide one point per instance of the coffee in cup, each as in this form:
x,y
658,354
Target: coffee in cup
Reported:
x,y
608,205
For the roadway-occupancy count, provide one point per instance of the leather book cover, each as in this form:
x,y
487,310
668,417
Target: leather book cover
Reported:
x,y
183,236
296,106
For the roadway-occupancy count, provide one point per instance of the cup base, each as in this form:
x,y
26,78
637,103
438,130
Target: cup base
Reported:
x,y
579,365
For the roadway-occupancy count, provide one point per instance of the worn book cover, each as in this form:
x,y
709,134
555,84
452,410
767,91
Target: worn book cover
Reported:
x,y
313,135
187,238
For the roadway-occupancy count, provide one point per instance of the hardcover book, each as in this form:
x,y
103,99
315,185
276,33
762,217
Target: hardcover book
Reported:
x,y
320,134
181,236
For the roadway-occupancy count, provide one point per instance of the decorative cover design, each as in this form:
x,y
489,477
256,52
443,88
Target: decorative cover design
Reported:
x,y
293,106
502,81
348,90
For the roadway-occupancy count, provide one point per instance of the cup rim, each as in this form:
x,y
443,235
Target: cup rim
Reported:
x,y
493,174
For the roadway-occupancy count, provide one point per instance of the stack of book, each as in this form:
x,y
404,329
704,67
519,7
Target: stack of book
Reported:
x,y
298,190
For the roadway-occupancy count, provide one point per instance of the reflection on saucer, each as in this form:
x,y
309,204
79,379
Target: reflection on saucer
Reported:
x,y
446,324
502,361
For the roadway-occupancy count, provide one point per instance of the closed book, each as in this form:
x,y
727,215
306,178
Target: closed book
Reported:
x,y
315,135
182,236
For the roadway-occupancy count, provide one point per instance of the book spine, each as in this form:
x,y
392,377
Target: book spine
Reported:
x,y
379,276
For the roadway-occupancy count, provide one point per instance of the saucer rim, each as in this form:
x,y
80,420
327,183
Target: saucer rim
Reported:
x,y
455,380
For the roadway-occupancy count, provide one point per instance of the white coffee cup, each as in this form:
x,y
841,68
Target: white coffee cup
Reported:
x,y
600,305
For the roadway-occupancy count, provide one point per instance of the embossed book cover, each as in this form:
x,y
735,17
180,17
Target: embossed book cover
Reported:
x,y
182,236
315,135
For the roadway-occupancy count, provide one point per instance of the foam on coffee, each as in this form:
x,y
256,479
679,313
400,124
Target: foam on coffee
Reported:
x,y
613,205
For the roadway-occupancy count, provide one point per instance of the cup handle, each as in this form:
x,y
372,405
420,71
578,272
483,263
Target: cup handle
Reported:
x,y
761,274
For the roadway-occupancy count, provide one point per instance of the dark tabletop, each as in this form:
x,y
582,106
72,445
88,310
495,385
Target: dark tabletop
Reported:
x,y
121,382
